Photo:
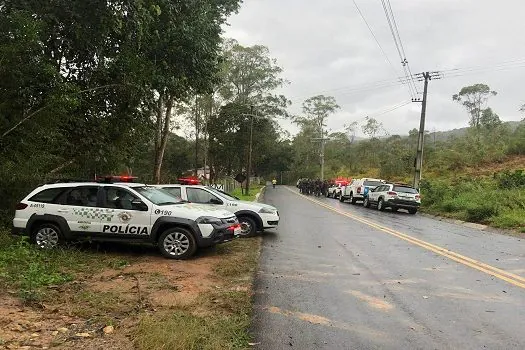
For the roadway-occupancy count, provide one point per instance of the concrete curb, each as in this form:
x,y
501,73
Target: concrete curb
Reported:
x,y
260,195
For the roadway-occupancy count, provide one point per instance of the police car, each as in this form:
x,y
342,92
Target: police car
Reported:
x,y
108,210
395,196
252,216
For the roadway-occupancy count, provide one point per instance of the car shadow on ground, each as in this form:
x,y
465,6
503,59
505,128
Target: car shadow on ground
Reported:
x,y
132,250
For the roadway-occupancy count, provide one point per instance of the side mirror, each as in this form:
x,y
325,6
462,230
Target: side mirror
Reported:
x,y
215,201
139,205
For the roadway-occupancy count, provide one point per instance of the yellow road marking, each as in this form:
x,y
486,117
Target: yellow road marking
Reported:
x,y
478,265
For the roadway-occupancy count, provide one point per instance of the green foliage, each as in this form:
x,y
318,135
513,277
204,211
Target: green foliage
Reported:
x,y
476,200
473,98
511,180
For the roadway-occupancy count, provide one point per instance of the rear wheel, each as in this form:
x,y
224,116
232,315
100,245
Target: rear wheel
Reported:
x,y
394,209
177,243
47,236
380,204
412,211
352,199
248,226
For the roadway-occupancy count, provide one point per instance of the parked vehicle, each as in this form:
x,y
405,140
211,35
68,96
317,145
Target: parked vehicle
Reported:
x,y
395,196
359,188
336,188
115,211
253,216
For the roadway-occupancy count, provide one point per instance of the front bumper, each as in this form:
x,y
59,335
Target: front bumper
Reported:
x,y
269,220
219,234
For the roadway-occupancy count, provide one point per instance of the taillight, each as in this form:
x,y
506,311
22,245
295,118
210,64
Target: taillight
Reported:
x,y
359,189
233,227
21,206
392,193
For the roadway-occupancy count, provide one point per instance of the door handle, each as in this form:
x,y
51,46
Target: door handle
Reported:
x,y
63,210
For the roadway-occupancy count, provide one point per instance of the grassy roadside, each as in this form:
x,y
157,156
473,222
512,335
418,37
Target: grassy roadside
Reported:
x,y
217,319
254,189
497,200
70,296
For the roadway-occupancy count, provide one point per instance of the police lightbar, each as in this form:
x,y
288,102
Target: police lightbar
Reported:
x,y
189,181
113,178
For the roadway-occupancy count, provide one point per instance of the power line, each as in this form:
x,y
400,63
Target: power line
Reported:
x,y
378,43
448,73
375,38
392,24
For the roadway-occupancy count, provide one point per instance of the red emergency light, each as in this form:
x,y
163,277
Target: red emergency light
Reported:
x,y
116,178
189,181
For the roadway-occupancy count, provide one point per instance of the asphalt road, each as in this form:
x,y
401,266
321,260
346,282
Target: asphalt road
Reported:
x,y
339,276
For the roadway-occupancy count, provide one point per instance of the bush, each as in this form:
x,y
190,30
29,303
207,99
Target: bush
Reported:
x,y
508,179
481,212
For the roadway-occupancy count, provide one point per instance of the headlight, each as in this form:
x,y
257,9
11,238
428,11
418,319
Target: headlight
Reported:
x,y
209,220
267,211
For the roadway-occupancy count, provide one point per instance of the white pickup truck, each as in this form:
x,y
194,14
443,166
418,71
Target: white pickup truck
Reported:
x,y
359,188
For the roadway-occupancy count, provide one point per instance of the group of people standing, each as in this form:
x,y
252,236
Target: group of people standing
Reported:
x,y
315,187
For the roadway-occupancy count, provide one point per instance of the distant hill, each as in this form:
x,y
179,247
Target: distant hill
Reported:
x,y
445,135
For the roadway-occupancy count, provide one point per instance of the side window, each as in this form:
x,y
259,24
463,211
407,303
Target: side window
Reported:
x,y
174,191
84,196
198,195
49,195
119,198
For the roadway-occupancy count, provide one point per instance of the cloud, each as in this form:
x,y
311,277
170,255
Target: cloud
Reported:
x,y
325,47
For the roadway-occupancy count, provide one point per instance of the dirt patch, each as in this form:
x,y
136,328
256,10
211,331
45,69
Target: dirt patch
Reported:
x,y
75,314
315,319
371,301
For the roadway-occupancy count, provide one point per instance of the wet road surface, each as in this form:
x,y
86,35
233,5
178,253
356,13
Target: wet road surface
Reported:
x,y
339,276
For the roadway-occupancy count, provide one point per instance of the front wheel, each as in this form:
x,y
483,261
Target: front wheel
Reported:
x,y
47,236
394,209
366,203
381,205
248,226
412,211
177,243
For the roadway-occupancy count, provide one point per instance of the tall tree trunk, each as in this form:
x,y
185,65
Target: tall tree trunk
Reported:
x,y
163,131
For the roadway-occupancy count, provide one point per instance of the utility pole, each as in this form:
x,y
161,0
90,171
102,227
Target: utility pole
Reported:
x,y
421,136
322,139
249,167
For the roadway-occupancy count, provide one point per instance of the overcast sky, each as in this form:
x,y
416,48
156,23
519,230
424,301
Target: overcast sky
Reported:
x,y
325,47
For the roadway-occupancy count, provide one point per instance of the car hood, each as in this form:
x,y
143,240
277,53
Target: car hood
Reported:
x,y
194,210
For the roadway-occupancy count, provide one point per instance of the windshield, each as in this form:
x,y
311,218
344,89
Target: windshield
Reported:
x,y
222,193
158,196
373,183
405,189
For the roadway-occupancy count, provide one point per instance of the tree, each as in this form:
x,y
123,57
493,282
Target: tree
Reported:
x,y
372,127
351,129
473,98
316,109
489,120
184,58
250,74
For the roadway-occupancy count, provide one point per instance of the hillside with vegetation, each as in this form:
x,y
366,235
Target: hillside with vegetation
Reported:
x,y
476,174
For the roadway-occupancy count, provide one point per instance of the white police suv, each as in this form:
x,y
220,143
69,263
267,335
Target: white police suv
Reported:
x,y
253,216
115,211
